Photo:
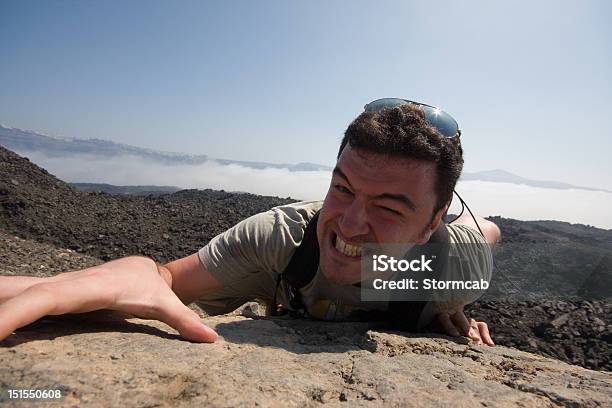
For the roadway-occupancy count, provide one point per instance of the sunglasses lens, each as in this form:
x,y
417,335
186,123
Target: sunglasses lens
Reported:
x,y
384,103
442,121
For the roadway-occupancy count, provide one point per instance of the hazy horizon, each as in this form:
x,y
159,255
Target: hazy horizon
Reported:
x,y
42,149
484,198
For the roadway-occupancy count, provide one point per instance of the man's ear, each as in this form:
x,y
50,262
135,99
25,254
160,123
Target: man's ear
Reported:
x,y
433,225
437,219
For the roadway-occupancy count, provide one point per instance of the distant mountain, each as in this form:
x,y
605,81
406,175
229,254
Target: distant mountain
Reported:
x,y
502,176
22,141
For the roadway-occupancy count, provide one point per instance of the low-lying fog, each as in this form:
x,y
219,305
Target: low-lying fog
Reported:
x,y
485,198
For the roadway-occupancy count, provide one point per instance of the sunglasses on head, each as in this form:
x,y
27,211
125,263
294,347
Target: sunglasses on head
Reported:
x,y
436,117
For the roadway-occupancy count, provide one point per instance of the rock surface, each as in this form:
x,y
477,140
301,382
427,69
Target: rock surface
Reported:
x,y
103,360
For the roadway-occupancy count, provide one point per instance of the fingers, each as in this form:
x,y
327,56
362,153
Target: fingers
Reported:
x,y
447,325
484,333
175,314
476,331
11,286
23,309
84,295
461,322
479,332
132,285
49,298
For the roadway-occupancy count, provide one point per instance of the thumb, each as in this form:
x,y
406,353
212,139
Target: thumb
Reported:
x,y
175,314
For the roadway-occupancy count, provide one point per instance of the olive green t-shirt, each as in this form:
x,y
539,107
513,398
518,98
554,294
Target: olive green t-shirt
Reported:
x,y
247,258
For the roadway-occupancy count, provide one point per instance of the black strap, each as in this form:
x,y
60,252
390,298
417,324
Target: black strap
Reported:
x,y
305,261
301,269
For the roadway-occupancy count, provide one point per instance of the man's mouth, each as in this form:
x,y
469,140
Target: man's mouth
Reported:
x,y
346,249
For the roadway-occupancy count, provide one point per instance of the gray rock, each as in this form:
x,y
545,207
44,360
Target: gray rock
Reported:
x,y
560,321
101,359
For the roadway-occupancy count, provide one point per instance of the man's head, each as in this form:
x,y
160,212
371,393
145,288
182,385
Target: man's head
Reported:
x,y
392,183
404,132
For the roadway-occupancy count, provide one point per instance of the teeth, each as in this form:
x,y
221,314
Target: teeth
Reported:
x,y
347,249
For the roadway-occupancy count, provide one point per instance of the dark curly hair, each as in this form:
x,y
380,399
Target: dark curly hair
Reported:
x,y
403,131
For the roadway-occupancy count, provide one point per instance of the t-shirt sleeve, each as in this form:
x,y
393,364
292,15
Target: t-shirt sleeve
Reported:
x,y
472,252
253,251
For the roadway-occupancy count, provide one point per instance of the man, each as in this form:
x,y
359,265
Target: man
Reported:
x,y
397,167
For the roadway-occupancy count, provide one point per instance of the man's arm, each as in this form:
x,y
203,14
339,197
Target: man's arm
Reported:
x,y
135,285
489,229
189,278
456,323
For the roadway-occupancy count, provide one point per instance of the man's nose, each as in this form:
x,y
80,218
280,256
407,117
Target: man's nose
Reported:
x,y
354,220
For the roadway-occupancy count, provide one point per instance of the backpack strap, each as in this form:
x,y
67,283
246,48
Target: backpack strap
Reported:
x,y
305,260
301,269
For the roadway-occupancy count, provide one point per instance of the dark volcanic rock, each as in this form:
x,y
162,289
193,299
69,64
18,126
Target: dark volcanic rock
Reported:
x,y
578,331
36,205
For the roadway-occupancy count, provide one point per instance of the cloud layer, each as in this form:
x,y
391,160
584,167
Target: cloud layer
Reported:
x,y
485,198
131,170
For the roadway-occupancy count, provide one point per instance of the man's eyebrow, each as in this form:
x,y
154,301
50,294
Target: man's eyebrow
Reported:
x,y
339,173
401,198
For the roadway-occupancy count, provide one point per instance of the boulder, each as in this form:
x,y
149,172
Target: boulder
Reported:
x,y
102,359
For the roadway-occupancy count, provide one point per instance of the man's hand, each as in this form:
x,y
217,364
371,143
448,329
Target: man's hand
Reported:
x,y
134,285
457,324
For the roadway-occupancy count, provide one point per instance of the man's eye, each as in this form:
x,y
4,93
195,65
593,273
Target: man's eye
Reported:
x,y
340,188
390,210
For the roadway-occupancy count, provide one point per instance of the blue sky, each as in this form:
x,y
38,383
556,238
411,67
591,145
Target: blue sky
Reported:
x,y
279,81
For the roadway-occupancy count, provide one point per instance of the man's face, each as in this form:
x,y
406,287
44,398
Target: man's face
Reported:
x,y
373,199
